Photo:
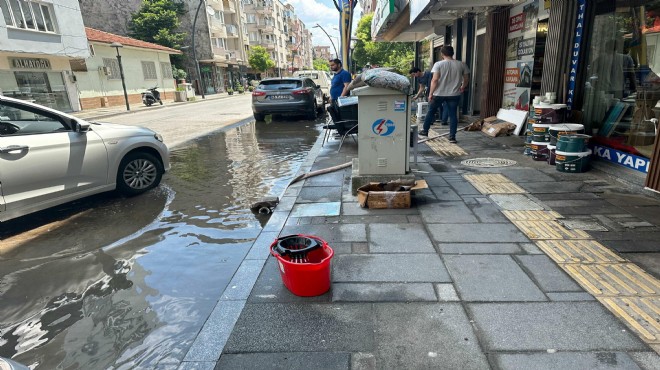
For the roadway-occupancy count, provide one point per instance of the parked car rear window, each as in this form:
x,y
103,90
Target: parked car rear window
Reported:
x,y
280,84
314,76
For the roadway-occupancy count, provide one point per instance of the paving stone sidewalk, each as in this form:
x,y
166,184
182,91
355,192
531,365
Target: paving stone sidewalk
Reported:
x,y
450,283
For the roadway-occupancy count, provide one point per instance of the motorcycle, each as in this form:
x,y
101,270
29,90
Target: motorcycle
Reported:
x,y
151,96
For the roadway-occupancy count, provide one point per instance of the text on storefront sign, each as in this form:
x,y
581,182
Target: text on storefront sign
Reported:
x,y
627,160
575,56
517,22
511,75
526,47
30,63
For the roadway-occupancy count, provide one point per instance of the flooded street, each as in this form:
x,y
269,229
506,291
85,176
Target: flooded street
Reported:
x,y
111,282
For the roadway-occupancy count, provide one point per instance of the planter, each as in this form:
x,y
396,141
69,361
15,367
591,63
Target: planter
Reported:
x,y
180,96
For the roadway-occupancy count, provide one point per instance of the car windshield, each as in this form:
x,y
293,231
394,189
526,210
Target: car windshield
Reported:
x,y
280,84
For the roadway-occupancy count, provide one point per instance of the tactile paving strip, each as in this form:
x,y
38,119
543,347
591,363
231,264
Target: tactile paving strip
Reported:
x,y
495,177
540,230
641,314
442,146
515,202
532,215
578,251
614,279
498,188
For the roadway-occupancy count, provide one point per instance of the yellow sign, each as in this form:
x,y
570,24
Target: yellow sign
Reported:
x,y
546,4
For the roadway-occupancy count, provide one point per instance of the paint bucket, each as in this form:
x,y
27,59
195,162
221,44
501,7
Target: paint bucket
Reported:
x,y
573,162
564,129
556,113
573,143
552,154
528,144
539,150
541,132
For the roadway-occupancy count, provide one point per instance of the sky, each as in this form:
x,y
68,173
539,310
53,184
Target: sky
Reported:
x,y
325,14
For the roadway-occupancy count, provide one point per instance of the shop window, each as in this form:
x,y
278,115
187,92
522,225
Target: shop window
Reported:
x,y
166,70
112,66
149,70
30,15
45,88
622,88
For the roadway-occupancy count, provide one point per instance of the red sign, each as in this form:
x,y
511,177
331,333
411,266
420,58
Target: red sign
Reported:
x,y
511,75
517,22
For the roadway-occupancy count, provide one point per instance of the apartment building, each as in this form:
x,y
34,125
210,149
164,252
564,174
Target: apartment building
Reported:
x,y
38,40
275,26
322,52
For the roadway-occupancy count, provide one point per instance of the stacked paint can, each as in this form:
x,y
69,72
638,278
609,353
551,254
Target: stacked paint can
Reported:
x,y
556,131
572,154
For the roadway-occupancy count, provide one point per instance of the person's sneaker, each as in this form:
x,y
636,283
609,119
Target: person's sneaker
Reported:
x,y
453,140
444,123
423,133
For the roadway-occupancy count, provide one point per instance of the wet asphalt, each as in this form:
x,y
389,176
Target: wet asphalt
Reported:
x,y
110,281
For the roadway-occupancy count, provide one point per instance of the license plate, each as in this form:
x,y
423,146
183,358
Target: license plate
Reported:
x,y
280,97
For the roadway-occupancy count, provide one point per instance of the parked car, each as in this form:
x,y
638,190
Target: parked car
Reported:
x,y
321,78
48,158
287,96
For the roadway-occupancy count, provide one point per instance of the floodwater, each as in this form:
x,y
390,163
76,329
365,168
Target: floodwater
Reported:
x,y
112,282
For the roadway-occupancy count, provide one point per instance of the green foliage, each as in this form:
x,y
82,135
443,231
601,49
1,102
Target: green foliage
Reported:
x,y
178,73
157,21
250,88
399,55
321,64
259,59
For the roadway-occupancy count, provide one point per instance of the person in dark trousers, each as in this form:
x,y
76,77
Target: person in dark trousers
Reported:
x,y
340,81
424,79
450,79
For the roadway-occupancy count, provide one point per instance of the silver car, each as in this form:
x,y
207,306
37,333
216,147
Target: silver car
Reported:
x,y
48,158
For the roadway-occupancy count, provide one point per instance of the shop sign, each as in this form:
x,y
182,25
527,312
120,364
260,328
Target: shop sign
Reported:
x,y
383,9
517,22
512,75
383,127
30,63
638,163
575,56
526,47
417,7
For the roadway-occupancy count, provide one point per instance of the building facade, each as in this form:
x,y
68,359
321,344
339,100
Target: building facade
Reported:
x,y
38,39
322,52
145,65
604,69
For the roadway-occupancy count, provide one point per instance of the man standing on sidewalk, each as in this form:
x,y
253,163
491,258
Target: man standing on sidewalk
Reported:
x,y
450,79
424,79
339,82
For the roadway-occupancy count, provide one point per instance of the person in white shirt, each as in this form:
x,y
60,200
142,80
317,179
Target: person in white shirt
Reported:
x,y
450,79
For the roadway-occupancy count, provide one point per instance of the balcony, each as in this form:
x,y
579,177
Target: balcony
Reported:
x,y
268,27
262,8
230,6
218,51
268,44
232,30
230,57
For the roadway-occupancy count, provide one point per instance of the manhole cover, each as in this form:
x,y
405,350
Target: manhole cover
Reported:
x,y
488,162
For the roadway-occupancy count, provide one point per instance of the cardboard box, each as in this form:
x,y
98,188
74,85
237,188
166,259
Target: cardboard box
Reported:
x,y
394,194
494,127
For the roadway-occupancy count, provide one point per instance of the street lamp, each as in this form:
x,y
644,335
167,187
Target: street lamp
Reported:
x,y
210,11
329,38
117,45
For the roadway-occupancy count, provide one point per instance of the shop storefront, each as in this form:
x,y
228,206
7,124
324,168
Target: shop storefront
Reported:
x,y
38,79
622,80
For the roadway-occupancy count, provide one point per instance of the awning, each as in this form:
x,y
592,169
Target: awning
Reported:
x,y
420,19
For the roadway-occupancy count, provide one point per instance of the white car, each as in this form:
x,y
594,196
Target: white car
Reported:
x,y
320,78
48,158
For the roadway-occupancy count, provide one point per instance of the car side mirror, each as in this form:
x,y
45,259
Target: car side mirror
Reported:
x,y
80,126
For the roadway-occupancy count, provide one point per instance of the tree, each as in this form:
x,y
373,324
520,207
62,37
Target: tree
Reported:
x,y
321,64
399,55
157,21
259,59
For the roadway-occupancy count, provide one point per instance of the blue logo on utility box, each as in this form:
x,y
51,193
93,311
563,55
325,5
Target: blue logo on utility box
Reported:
x,y
383,127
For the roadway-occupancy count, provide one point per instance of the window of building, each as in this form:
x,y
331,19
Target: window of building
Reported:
x,y
245,31
254,36
622,82
166,70
29,15
251,18
149,70
113,67
220,16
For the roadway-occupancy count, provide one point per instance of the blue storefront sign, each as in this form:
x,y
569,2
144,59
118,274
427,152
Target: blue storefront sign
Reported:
x,y
575,56
635,162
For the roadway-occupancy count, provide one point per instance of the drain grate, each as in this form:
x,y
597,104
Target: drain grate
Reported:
x,y
488,162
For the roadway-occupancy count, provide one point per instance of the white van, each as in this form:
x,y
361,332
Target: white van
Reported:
x,y
320,78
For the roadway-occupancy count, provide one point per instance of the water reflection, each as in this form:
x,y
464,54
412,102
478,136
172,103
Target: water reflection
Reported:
x,y
137,290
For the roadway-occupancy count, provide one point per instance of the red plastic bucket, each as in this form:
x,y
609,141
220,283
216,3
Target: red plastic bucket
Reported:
x,y
304,274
